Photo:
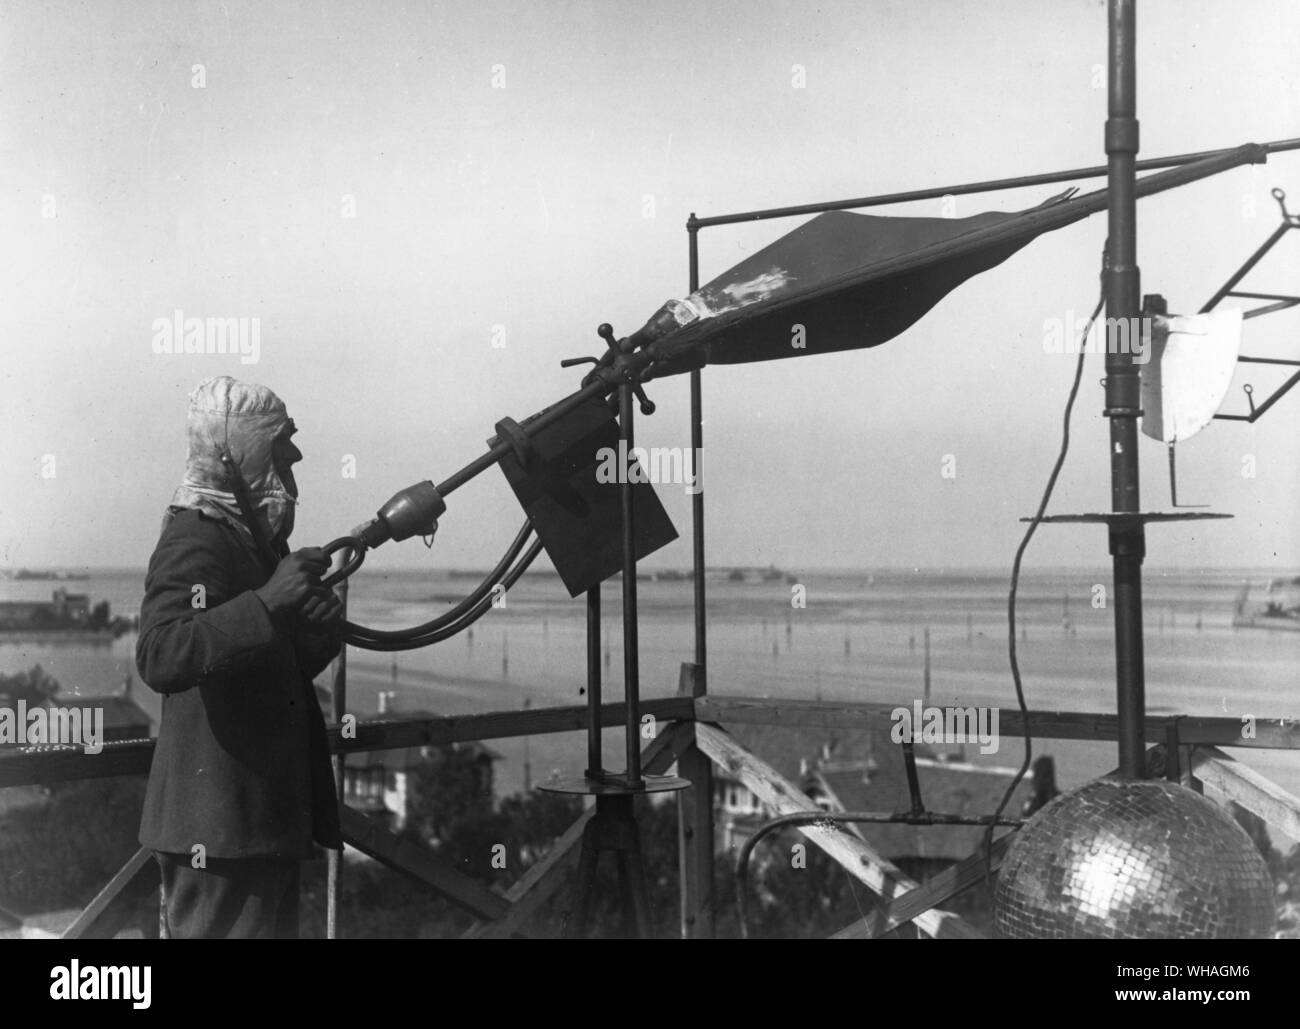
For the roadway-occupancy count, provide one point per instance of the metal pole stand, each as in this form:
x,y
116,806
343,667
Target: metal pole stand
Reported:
x,y
613,829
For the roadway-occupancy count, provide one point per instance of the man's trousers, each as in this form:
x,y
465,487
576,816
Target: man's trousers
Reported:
x,y
230,899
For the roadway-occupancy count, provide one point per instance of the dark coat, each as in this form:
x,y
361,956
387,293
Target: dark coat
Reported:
x,y
242,761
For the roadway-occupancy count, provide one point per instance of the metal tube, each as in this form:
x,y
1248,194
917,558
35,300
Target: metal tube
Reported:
x,y
694,807
961,189
1123,385
631,671
338,707
594,763
913,781
697,499
551,414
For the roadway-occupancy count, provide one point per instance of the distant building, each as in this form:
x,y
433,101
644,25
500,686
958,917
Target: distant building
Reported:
x,y
380,783
864,771
71,607
124,719
63,610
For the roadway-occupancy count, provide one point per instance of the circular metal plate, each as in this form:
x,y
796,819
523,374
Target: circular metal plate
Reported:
x,y
613,786
1123,517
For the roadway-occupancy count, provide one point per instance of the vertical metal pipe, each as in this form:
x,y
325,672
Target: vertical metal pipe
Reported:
x,y
926,674
697,452
695,806
631,671
338,706
594,764
1123,386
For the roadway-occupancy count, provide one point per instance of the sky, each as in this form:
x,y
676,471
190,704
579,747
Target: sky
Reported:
x,y
428,205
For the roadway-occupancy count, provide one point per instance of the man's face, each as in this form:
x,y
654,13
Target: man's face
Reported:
x,y
285,454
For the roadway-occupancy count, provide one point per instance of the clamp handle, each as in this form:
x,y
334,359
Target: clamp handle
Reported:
x,y
351,565
606,332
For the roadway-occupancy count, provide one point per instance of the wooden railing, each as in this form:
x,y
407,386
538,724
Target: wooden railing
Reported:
x,y
693,737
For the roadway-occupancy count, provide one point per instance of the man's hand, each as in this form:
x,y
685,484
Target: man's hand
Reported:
x,y
322,613
295,582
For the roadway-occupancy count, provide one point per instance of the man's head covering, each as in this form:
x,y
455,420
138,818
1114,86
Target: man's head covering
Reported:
x,y
244,420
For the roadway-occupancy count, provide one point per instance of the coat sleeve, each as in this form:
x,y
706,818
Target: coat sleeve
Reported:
x,y
315,650
192,630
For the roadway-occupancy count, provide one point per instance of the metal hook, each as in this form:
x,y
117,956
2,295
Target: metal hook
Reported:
x,y
1173,481
1280,196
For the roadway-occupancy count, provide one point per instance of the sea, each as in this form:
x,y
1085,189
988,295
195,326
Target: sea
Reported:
x,y
837,635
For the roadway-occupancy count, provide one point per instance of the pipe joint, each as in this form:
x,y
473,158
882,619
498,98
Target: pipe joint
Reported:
x,y
1121,135
1128,543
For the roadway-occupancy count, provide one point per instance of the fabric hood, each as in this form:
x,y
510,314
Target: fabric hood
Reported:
x,y
245,420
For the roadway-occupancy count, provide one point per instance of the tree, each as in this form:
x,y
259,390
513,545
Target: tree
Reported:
x,y
445,788
59,854
35,686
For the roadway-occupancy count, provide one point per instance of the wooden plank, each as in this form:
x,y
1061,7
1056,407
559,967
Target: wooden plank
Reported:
x,y
545,877
1082,725
858,858
536,886
68,763
418,732
695,830
104,917
935,891
1247,787
1270,733
133,757
416,861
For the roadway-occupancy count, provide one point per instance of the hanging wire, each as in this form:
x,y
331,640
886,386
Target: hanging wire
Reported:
x,y
407,640
355,633
1015,586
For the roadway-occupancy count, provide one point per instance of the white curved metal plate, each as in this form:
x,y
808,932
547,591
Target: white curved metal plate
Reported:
x,y
1189,371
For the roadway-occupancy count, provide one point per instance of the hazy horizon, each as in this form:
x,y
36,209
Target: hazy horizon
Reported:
x,y
541,566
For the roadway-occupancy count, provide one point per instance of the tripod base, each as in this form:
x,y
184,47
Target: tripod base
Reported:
x,y
613,828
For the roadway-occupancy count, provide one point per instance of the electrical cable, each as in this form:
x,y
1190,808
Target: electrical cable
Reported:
x,y
447,631
1015,585
456,613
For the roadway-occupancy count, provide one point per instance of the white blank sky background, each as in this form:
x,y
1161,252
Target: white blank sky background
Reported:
x,y
525,207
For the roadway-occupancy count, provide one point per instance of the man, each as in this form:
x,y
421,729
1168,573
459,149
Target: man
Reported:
x,y
233,628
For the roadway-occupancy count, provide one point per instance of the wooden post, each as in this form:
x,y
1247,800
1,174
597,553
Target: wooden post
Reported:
x,y
695,825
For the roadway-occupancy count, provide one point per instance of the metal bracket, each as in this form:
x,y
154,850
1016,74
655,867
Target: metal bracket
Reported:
x,y
513,433
1280,302
1173,483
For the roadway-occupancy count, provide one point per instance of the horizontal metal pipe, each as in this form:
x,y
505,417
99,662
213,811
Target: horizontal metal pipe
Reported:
x,y
962,189
536,424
